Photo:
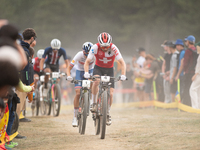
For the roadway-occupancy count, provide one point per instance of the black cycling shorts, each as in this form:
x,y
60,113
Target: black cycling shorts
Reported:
x,y
104,71
54,68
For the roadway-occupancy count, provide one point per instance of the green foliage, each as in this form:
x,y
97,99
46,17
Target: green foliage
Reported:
x,y
132,23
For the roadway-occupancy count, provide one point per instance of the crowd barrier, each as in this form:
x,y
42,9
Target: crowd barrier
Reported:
x,y
158,104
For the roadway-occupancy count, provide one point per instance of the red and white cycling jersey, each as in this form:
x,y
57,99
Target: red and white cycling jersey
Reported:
x,y
104,59
79,60
36,64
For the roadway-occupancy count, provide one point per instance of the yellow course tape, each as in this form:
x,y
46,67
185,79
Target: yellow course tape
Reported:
x,y
161,105
154,103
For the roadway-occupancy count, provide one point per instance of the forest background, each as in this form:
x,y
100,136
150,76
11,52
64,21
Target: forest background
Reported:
x,y
131,23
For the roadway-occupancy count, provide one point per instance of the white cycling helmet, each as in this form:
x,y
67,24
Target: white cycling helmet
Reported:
x,y
40,53
55,44
104,39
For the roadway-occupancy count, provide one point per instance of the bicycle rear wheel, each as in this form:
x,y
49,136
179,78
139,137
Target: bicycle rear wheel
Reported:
x,y
84,110
103,116
15,125
57,100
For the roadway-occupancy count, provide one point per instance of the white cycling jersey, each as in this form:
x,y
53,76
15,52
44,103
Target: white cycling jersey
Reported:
x,y
79,60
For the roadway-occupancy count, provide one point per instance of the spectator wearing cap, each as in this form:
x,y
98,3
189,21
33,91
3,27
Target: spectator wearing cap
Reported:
x,y
180,74
195,86
188,67
139,81
173,69
166,72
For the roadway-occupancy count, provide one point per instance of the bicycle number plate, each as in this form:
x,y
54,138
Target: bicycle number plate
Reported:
x,y
55,74
42,78
86,84
105,78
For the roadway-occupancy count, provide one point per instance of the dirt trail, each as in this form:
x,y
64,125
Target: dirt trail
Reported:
x,y
131,128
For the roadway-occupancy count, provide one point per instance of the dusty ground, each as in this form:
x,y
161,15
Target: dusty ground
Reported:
x,y
131,129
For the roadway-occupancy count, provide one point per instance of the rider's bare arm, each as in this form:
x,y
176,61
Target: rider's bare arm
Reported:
x,y
86,65
123,66
42,63
67,63
69,68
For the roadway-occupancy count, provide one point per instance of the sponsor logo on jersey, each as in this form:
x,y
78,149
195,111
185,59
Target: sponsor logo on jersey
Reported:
x,y
100,53
73,61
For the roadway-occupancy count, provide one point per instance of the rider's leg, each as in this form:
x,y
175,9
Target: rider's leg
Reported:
x,y
95,89
46,79
36,79
111,98
76,102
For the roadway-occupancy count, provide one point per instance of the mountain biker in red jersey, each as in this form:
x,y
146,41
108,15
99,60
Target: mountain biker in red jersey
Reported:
x,y
105,52
36,65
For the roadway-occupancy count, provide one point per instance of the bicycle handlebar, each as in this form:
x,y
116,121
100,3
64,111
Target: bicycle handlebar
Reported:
x,y
93,78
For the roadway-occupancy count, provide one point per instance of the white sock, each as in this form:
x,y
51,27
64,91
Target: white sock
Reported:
x,y
75,112
94,98
109,109
91,102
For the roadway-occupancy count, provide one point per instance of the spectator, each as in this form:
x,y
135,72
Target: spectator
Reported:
x,y
195,86
8,36
139,81
180,74
2,109
166,72
173,69
188,66
128,97
9,62
29,37
149,74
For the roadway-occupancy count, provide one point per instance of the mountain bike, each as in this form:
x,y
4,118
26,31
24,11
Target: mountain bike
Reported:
x,y
103,102
53,96
84,103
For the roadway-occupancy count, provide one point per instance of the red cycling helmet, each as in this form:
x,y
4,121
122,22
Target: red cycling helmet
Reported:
x,y
104,39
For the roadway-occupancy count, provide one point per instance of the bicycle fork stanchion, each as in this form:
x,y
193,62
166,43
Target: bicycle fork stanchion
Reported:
x,y
52,94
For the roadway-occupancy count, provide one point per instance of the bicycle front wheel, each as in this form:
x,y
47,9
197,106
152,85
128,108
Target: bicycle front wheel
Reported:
x,y
37,102
84,110
57,100
103,114
48,103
